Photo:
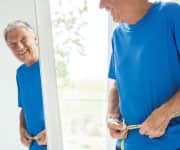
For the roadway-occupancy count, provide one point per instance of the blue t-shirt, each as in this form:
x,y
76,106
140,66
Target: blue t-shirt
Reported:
x,y
30,100
145,63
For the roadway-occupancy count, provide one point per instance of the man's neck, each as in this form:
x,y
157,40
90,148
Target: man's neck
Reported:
x,y
132,15
32,61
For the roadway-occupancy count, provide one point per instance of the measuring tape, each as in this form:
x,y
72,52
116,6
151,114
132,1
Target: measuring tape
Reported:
x,y
133,127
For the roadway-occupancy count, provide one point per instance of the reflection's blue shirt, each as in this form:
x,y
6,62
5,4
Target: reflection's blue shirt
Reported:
x,y
30,99
145,63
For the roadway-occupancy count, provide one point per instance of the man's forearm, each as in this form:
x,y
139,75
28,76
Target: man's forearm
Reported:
x,y
22,121
113,104
173,105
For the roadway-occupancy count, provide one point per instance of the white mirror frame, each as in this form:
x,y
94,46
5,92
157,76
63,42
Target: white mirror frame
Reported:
x,y
48,76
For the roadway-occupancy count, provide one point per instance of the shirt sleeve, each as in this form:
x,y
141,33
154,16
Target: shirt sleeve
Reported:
x,y
19,90
111,73
176,25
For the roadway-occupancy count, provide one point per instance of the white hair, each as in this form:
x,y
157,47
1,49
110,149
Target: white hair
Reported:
x,y
16,24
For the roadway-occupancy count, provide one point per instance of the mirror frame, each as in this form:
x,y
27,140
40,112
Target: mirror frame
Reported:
x,y
48,75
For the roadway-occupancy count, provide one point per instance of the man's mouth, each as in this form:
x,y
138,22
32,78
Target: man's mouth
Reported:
x,y
108,9
21,52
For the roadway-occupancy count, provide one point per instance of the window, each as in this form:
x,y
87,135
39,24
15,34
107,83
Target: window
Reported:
x,y
80,32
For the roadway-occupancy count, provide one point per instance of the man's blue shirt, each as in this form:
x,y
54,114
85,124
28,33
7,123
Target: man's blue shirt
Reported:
x,y
145,63
30,100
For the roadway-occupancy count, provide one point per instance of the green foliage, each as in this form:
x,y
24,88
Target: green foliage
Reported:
x,y
67,26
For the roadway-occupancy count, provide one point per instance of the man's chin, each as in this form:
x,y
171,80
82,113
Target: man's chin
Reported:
x,y
117,20
22,58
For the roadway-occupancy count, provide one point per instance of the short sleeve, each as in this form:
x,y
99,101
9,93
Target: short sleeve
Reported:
x,y
111,72
19,89
175,15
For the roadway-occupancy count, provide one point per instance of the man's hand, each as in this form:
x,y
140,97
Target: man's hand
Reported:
x,y
117,129
155,125
26,139
41,138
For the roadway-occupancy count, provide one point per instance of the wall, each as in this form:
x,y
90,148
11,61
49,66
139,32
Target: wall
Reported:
x,y
9,113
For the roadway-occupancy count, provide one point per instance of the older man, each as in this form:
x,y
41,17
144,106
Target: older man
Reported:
x,y
145,68
22,41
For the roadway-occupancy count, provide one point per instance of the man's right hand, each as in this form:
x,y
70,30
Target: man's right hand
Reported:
x,y
26,139
117,129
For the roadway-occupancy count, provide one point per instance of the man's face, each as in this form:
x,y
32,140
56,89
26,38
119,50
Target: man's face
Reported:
x,y
115,7
107,4
22,43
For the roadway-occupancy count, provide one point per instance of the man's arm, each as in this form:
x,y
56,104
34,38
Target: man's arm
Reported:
x,y
22,121
173,105
117,128
26,139
155,125
113,102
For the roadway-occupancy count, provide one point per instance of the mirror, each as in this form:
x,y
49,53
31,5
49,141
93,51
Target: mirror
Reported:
x,y
22,112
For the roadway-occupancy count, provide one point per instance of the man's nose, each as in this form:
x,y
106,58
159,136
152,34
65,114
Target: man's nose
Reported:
x,y
101,4
19,46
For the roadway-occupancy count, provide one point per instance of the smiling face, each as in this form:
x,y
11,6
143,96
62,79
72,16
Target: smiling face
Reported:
x,y
23,44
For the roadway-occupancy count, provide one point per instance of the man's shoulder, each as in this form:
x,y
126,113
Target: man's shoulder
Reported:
x,y
171,10
117,31
170,7
20,68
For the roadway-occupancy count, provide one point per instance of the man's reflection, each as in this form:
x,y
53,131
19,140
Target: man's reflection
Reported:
x,y
22,41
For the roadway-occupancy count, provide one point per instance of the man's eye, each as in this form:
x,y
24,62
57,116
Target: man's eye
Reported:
x,y
12,45
23,40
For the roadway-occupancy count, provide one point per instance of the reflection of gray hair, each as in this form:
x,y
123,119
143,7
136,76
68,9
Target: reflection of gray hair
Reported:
x,y
16,24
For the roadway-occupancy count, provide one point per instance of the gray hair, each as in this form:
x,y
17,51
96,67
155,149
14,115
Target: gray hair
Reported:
x,y
16,24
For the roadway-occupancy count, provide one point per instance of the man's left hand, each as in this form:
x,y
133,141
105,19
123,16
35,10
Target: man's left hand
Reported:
x,y
155,125
41,138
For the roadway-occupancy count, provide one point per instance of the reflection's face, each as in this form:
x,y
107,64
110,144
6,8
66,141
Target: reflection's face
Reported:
x,y
107,4
23,44
115,7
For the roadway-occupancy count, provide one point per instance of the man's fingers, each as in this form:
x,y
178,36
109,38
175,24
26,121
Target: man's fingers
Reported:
x,y
41,134
115,124
118,134
142,130
145,129
27,136
151,132
26,141
41,138
156,133
117,129
124,134
41,141
115,134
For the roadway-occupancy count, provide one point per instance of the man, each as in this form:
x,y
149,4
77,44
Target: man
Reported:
x,y
22,41
145,68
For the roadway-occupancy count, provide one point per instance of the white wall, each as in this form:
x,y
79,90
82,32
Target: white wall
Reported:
x,y
9,113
